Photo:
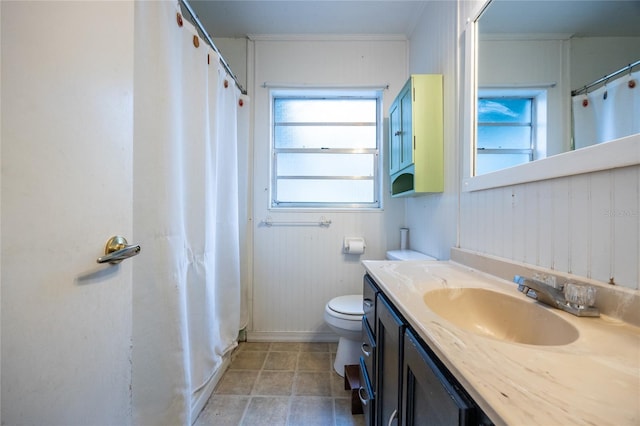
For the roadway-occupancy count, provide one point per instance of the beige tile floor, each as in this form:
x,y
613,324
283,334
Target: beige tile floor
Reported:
x,y
284,384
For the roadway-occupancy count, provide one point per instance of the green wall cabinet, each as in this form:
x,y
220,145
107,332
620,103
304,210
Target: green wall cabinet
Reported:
x,y
416,147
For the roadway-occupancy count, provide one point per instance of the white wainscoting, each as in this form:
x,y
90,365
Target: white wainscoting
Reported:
x,y
587,225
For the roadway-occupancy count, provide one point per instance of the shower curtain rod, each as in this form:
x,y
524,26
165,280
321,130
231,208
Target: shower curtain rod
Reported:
x,y
207,37
604,79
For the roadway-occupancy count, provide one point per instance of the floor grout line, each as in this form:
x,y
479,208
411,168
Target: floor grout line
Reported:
x,y
295,407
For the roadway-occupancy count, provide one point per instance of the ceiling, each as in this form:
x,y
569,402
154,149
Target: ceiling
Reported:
x,y
577,18
242,18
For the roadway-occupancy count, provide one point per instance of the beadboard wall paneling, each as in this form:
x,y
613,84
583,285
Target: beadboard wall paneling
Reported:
x,y
587,225
298,269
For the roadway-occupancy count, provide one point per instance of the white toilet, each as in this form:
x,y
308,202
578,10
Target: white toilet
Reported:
x,y
343,314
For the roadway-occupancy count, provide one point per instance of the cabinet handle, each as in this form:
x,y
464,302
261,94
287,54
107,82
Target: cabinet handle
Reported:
x,y
368,303
398,133
364,400
364,348
393,416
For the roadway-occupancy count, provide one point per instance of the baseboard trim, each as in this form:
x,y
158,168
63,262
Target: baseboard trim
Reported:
x,y
290,336
206,391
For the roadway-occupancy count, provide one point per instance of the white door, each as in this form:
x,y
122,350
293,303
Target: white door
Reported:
x,y
67,128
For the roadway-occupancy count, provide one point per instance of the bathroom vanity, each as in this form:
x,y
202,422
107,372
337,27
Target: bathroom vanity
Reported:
x,y
447,344
409,382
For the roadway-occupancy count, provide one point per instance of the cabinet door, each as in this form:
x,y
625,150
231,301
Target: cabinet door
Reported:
x,y
395,137
428,397
369,291
389,335
406,99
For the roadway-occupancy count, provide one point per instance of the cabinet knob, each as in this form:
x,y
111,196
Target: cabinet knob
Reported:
x,y
398,133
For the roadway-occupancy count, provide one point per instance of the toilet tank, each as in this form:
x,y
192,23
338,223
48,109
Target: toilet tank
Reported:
x,y
408,255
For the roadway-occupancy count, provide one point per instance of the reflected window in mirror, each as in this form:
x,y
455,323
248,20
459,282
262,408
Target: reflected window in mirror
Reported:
x,y
511,128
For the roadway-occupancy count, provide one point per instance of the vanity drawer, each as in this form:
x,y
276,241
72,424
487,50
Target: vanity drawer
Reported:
x,y
366,395
368,351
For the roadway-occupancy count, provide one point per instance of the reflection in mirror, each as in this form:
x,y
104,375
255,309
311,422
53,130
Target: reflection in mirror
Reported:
x,y
531,55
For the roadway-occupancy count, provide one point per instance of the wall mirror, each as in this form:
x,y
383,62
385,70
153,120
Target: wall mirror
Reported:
x,y
527,57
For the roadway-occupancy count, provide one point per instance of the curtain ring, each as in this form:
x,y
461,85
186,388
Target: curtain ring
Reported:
x,y
196,41
226,84
585,101
241,102
179,19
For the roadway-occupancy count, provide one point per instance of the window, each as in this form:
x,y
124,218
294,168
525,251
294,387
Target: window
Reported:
x,y
325,149
505,132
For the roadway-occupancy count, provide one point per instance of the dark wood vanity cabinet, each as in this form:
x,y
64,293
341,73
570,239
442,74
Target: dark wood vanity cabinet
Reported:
x,y
429,398
402,381
390,329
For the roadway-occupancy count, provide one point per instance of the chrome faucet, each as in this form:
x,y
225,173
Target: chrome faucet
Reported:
x,y
553,297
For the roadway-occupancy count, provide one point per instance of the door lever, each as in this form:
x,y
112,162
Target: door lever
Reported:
x,y
117,249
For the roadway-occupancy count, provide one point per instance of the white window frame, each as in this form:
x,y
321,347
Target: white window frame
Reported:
x,y
274,203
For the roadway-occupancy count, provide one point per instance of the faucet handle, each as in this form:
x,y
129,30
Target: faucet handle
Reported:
x,y
522,287
580,296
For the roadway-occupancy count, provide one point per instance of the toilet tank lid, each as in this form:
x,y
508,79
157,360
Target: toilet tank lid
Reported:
x,y
408,255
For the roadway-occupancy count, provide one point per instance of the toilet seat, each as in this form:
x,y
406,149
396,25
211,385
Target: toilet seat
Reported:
x,y
347,307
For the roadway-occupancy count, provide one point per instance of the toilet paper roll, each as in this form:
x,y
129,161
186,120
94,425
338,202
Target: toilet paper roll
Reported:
x,y
355,247
404,238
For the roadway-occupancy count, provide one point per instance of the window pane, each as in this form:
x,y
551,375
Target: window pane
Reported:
x,y
491,162
505,137
295,164
325,191
504,110
325,136
325,149
324,110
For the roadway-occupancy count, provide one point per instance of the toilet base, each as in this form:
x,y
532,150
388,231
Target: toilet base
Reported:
x,y
348,354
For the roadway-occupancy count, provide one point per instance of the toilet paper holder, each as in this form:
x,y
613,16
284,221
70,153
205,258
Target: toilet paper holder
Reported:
x,y
353,245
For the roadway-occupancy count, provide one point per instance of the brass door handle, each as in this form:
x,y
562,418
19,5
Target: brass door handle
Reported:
x,y
117,249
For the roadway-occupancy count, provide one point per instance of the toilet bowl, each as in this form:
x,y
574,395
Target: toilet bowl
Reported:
x,y
343,314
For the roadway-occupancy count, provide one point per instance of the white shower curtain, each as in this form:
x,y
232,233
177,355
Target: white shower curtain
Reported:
x,y
187,292
598,118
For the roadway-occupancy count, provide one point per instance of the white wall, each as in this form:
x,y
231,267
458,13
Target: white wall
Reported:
x,y
296,270
594,57
432,219
585,225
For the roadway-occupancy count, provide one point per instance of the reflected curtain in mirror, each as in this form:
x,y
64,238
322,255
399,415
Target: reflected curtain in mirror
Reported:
x,y
609,112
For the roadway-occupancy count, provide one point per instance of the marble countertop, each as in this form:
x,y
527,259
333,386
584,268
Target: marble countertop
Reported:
x,y
595,380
